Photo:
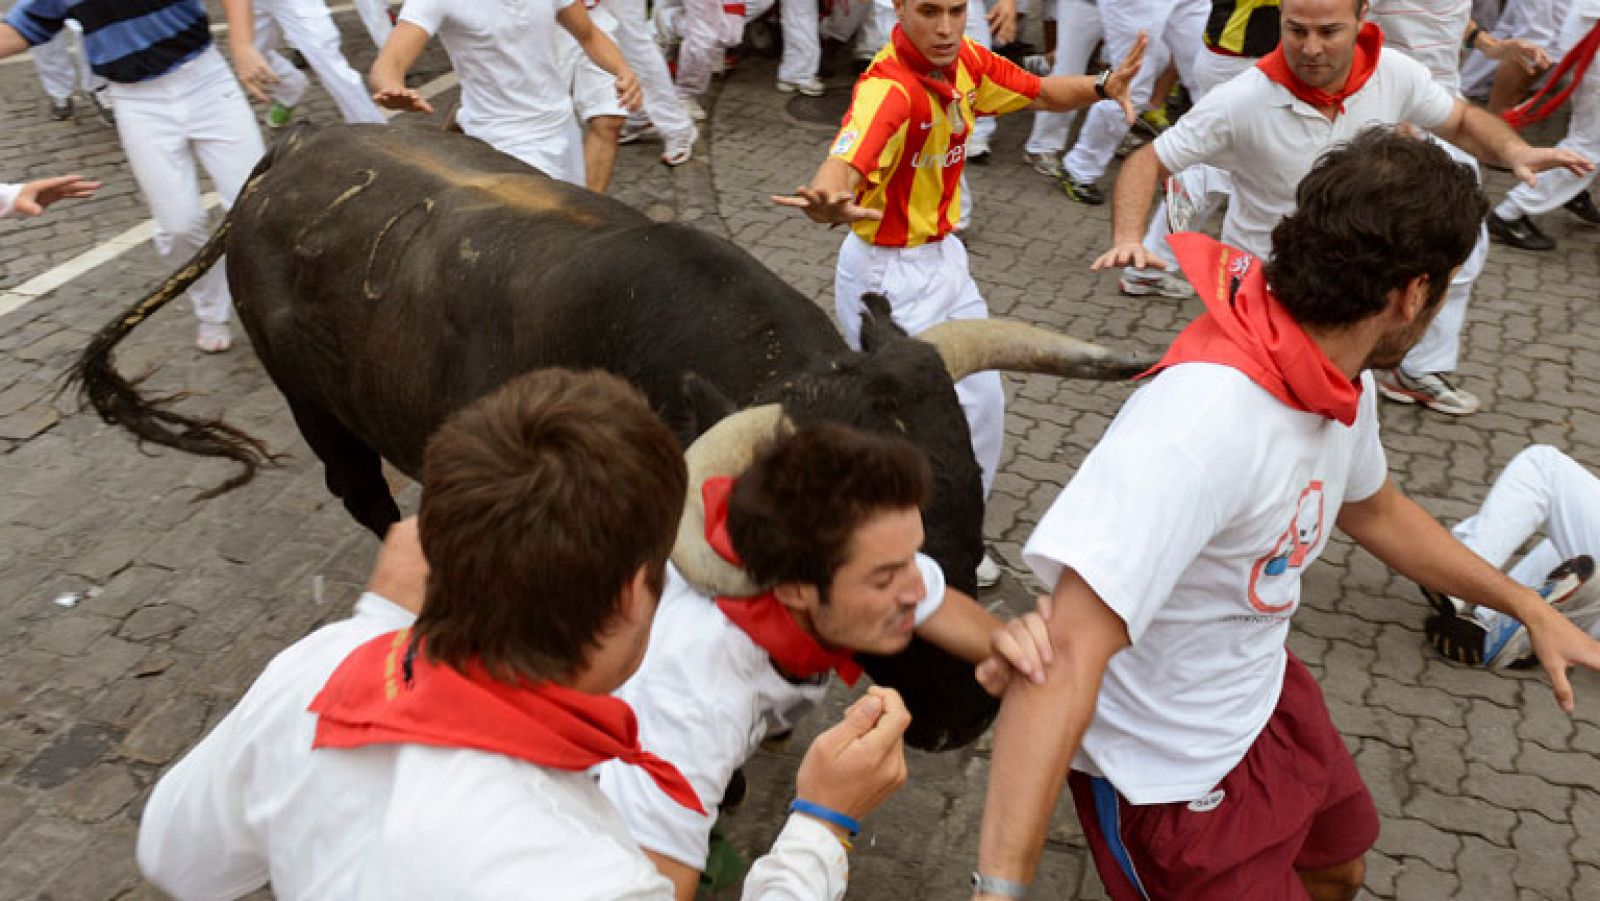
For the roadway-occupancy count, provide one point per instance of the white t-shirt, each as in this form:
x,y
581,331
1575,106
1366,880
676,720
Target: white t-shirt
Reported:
x,y
1254,129
513,95
253,802
706,695
1428,31
1192,520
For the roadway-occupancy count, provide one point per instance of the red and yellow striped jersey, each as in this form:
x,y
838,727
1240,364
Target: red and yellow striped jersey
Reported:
x,y
906,133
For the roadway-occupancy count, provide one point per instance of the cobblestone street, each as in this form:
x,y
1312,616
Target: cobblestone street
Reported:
x,y
1487,791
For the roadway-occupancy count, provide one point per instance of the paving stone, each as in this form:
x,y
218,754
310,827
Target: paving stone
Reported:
x,y
167,731
70,753
1416,839
1518,791
99,793
1462,815
155,621
1544,862
1420,881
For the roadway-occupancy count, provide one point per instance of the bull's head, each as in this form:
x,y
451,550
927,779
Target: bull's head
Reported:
x,y
900,385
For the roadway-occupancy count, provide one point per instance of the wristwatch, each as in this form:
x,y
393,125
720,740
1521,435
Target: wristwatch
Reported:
x,y
994,885
1100,84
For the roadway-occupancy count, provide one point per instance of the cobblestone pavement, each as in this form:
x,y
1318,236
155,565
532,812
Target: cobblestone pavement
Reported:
x,y
1487,791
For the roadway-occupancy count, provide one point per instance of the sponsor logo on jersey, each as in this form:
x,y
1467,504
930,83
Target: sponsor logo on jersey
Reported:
x,y
847,140
924,160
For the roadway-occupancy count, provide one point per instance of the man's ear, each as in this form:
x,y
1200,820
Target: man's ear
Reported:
x,y
1414,297
638,602
796,595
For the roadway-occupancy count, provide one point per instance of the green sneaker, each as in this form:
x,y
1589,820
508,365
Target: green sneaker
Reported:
x,y
279,115
1155,121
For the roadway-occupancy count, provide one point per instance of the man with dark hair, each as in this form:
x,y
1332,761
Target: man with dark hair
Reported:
x,y
1205,765
1330,77
830,518
450,756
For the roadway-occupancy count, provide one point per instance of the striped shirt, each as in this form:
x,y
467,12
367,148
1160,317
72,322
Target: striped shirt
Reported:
x,y
127,41
906,133
1243,27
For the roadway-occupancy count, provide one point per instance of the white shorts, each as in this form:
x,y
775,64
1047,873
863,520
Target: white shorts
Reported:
x,y
594,91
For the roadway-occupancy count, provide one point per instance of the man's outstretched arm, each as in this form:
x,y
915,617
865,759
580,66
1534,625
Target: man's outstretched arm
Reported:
x,y
1040,727
1407,538
1131,199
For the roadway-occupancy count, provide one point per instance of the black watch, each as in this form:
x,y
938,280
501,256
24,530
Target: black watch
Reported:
x,y
1100,84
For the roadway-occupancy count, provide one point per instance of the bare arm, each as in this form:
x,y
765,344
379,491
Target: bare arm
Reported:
x,y
1040,727
1407,538
248,63
600,48
1528,56
1130,210
1487,137
1061,93
830,198
684,878
11,41
961,627
387,77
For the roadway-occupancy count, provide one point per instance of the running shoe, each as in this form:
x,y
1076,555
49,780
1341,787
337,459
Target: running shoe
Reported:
x,y
812,88
1044,163
637,129
1084,192
1153,282
1508,643
61,110
679,147
1432,390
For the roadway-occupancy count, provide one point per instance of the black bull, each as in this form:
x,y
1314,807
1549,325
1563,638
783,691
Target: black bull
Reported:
x,y
388,276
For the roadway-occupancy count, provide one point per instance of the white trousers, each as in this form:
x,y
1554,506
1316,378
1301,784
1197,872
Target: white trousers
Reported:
x,y
983,127
706,31
1078,30
925,285
1439,349
60,70
196,111
1207,187
1538,21
1557,186
1176,29
1541,491
639,51
308,26
802,41
375,18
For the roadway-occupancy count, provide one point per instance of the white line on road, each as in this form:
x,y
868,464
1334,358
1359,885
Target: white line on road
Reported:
x,y
40,285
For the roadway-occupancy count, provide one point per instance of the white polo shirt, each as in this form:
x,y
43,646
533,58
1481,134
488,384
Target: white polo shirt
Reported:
x,y
253,803
706,696
1267,139
1428,31
1193,519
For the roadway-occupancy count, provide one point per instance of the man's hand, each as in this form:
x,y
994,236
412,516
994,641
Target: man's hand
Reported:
x,y
854,766
1528,162
401,571
1132,253
835,208
1121,80
1002,18
406,100
254,72
628,91
1020,646
1560,645
1528,56
36,195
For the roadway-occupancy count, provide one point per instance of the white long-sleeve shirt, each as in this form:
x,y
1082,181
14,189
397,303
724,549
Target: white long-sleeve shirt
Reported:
x,y
8,198
253,803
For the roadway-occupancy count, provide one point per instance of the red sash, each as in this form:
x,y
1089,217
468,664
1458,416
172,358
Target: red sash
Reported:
x,y
764,618
1245,327
1369,44
386,692
1539,107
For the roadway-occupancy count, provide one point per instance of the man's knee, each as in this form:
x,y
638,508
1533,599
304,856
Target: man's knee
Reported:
x,y
607,127
1336,883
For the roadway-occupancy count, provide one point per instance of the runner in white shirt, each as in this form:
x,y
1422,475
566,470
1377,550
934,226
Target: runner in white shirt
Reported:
x,y
308,26
1330,79
513,95
1207,766
720,676
594,98
427,749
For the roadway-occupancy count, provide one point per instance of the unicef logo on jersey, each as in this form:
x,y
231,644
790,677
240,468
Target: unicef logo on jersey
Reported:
x,y
923,160
1275,578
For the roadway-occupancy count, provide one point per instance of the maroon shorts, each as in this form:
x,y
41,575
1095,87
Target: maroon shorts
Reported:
x,y
1295,802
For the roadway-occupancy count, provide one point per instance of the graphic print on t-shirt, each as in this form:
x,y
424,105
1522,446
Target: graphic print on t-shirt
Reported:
x,y
1275,578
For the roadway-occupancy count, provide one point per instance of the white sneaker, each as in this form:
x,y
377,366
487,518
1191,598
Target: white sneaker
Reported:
x,y
812,88
693,108
213,337
637,129
988,572
1150,282
680,147
1431,389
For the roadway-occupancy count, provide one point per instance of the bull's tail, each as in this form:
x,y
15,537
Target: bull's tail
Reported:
x,y
119,403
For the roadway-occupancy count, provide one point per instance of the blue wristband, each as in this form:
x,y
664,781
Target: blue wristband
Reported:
x,y
848,824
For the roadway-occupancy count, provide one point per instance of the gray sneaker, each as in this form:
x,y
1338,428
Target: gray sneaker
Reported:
x,y
1432,390
1044,163
1153,282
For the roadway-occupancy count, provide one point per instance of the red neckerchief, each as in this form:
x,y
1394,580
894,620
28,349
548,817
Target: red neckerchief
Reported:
x,y
1369,44
1539,106
1245,327
763,617
387,692
908,65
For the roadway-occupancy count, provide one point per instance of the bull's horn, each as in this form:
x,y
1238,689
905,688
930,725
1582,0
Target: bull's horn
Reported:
x,y
724,450
976,345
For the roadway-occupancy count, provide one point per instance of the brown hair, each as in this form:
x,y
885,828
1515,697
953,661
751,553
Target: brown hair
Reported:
x,y
540,502
794,511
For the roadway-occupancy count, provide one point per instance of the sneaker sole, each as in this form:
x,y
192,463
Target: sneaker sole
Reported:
x,y
1407,396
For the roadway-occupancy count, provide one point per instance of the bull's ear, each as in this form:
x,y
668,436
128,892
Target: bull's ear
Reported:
x,y
877,324
704,405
